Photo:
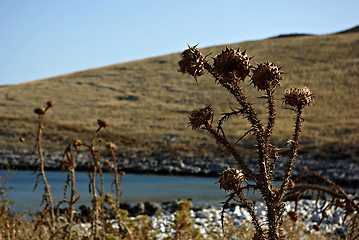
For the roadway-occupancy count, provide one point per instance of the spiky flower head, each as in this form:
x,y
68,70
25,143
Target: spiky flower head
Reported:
x,y
109,198
50,104
107,163
298,97
266,75
293,216
231,65
40,111
67,165
77,144
201,117
102,123
111,146
192,62
231,179
316,227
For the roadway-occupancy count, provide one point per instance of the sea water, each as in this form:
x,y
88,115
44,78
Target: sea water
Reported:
x,y
135,188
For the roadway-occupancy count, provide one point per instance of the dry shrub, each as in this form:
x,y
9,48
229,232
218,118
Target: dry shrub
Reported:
x,y
229,69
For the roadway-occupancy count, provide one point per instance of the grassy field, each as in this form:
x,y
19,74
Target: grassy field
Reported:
x,y
147,102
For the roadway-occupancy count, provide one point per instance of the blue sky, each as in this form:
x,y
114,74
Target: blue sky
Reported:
x,y
42,38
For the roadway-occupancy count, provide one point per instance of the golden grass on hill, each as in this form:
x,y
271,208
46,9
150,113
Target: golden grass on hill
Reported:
x,y
148,101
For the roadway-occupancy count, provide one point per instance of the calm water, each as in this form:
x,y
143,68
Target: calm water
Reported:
x,y
136,188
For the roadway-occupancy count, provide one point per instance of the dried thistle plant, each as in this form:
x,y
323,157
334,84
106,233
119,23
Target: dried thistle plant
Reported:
x,y
94,168
48,210
68,165
114,173
229,69
46,226
330,195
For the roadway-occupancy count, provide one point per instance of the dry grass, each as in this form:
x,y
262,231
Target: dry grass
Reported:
x,y
141,228
148,101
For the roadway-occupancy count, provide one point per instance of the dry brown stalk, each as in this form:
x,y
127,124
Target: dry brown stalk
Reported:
x,y
47,196
111,146
47,226
292,155
98,200
68,164
338,198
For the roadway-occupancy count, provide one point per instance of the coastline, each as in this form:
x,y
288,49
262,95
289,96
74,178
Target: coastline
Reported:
x,y
344,172
207,218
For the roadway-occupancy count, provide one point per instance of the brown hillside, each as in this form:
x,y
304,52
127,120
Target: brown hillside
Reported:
x,y
147,102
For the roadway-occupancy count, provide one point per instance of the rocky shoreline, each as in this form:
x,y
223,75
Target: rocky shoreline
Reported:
x,y
342,171
207,218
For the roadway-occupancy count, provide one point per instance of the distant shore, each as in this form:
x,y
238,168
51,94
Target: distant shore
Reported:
x,y
343,171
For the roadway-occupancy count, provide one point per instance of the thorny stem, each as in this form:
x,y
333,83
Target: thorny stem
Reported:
x,y
262,139
72,201
292,155
73,191
300,188
271,115
102,207
70,166
329,182
341,194
94,193
116,179
96,165
248,111
231,151
48,195
264,184
251,210
269,129
268,196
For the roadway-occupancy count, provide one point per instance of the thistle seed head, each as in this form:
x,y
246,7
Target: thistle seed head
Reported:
x,y
316,227
109,198
266,75
111,145
231,179
192,62
107,163
77,144
50,104
293,216
39,111
67,166
231,65
298,97
201,117
102,123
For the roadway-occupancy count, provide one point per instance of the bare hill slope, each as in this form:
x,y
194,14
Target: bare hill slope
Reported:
x,y
147,102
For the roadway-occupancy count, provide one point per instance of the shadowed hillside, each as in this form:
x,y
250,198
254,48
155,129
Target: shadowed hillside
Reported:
x,y
147,102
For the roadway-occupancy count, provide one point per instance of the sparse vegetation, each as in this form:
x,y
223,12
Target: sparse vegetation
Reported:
x,y
67,225
157,100
149,99
47,224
